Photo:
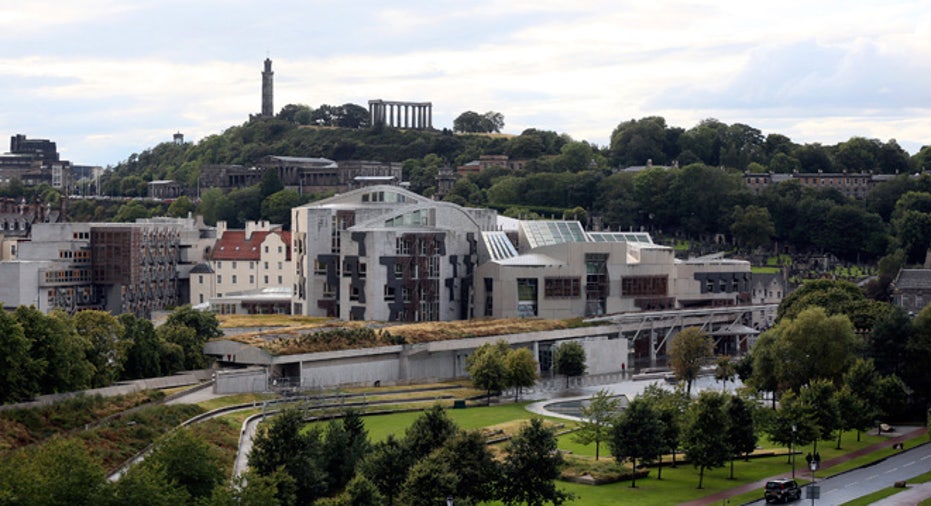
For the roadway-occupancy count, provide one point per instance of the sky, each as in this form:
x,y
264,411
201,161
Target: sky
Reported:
x,y
108,78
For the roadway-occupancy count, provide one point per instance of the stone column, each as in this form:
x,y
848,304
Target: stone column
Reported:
x,y
429,115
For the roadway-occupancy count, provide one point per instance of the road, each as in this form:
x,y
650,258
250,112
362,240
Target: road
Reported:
x,y
865,480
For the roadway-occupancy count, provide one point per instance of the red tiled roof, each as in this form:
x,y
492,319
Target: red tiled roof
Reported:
x,y
234,246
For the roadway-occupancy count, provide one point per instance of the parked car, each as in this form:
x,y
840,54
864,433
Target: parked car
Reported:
x,y
782,490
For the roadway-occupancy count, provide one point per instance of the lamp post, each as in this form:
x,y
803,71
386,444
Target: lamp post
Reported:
x,y
792,450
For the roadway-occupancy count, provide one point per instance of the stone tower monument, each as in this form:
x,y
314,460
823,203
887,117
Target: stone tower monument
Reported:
x,y
267,90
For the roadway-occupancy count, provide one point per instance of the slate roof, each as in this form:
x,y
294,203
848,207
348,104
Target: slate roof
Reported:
x,y
234,245
913,279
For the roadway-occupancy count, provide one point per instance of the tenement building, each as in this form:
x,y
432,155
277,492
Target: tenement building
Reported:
x,y
384,253
244,261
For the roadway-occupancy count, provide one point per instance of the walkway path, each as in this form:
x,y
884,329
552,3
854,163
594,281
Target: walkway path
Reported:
x,y
910,497
758,485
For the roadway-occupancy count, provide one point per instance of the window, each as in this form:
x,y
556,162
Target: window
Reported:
x,y
266,248
362,269
328,290
251,264
219,264
639,286
562,288
279,249
251,279
398,270
234,265
354,293
200,279
433,267
234,279
319,267
200,298
219,279
266,266
280,266
389,292
265,280
402,246
279,280
405,294
526,297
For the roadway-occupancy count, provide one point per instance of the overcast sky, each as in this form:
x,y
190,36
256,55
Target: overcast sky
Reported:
x,y
107,78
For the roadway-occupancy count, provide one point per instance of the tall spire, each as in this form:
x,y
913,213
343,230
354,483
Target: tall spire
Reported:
x,y
268,108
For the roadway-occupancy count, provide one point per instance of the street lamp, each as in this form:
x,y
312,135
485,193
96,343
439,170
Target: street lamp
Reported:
x,y
449,500
792,450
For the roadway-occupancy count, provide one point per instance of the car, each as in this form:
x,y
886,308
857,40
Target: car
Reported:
x,y
782,490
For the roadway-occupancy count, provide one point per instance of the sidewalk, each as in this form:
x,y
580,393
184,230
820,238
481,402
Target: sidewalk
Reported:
x,y
910,497
758,485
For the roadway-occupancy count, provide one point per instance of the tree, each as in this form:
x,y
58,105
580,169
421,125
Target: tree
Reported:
x,y
530,466
429,483
181,207
752,226
487,368
792,425
636,142
724,371
637,435
56,352
204,323
521,369
741,433
189,461
467,456
598,415
386,467
59,472
146,485
689,350
492,122
249,489
468,122
818,398
813,345
570,360
282,444
428,432
107,351
276,208
131,211
918,351
271,183
144,356
671,407
704,440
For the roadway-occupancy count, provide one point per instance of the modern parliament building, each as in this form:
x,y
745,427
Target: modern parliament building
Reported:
x,y
383,253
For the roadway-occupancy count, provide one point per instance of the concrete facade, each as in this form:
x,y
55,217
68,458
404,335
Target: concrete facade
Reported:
x,y
404,364
384,253
118,267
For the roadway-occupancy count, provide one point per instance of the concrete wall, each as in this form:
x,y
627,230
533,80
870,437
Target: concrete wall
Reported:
x,y
435,361
253,379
